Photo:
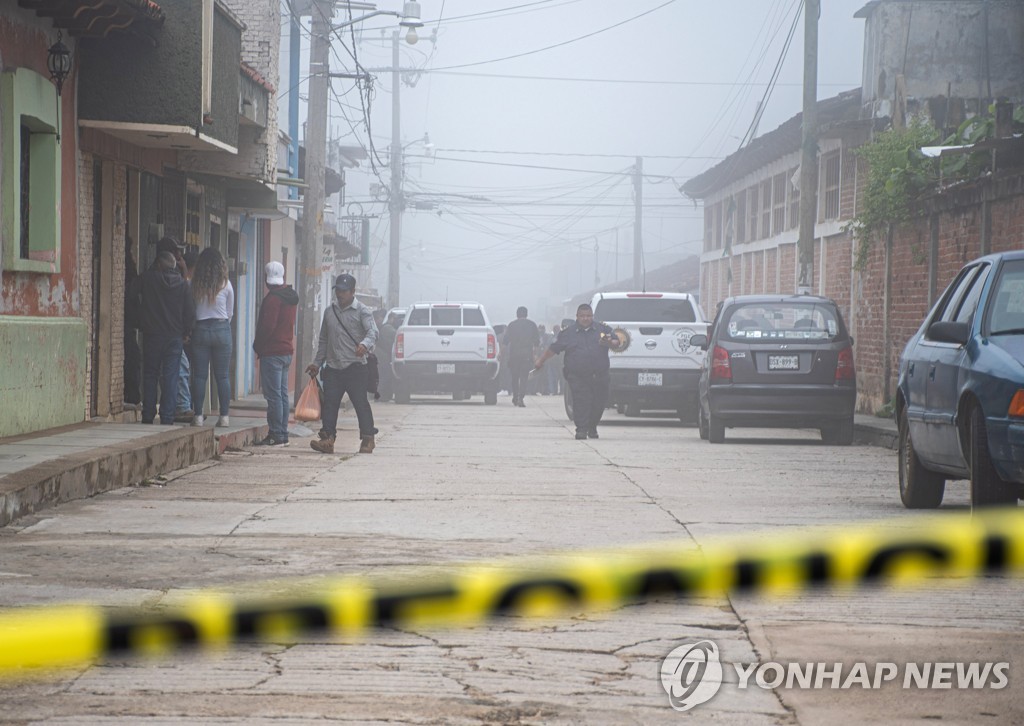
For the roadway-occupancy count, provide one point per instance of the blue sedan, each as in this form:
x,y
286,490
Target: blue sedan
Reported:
x,y
960,403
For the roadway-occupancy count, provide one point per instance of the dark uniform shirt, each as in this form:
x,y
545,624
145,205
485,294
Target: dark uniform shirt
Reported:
x,y
583,350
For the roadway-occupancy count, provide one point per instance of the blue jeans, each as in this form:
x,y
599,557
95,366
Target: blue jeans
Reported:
x,y
184,396
274,382
161,356
211,343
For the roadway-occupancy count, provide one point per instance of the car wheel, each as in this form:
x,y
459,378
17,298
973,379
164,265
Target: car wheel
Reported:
x,y
620,408
702,424
987,487
716,430
401,394
567,400
840,434
920,488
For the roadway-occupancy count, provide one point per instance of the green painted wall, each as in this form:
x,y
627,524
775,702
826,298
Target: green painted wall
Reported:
x,y
42,373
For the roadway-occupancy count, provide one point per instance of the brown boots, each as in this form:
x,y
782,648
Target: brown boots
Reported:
x,y
325,445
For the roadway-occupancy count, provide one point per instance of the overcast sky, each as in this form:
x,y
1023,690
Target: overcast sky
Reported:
x,y
530,170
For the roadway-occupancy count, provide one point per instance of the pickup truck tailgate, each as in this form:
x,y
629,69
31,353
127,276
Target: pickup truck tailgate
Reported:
x,y
463,343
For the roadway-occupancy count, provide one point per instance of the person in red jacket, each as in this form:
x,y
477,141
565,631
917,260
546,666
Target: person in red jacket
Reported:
x,y
274,346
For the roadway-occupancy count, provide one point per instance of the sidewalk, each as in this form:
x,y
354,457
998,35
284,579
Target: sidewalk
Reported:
x,y
43,469
46,468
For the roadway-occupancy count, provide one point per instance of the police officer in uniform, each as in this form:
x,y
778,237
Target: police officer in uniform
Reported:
x,y
586,345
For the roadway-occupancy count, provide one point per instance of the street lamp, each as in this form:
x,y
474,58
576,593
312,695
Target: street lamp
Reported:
x,y
411,20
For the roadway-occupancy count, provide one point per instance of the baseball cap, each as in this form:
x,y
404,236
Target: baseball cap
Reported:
x,y
170,244
345,282
275,273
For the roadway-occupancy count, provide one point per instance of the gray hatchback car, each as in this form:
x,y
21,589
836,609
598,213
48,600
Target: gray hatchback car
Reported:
x,y
777,361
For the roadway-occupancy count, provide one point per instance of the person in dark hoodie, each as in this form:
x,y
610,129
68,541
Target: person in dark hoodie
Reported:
x,y
167,314
274,346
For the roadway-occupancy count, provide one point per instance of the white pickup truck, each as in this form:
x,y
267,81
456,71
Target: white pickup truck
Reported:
x,y
658,369
446,347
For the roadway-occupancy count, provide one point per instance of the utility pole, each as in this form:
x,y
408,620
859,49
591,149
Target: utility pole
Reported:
x,y
638,220
311,240
396,202
809,148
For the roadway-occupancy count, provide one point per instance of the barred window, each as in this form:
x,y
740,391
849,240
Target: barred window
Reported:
x,y
766,208
793,182
779,185
752,211
830,186
741,217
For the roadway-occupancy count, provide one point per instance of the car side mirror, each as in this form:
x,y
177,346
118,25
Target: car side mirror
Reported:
x,y
699,340
949,332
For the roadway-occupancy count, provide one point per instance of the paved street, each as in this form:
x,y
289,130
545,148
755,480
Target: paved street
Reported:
x,y
462,481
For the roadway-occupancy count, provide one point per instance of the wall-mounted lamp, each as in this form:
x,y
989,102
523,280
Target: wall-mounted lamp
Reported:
x,y
58,62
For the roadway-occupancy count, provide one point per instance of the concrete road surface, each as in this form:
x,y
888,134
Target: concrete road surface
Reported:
x,y
462,481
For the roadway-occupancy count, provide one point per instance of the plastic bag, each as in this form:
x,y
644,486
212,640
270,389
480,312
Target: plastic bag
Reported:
x,y
308,407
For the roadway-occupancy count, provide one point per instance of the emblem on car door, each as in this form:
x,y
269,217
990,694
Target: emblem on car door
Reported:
x,y
651,344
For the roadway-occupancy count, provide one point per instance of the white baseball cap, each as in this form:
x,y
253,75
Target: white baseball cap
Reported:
x,y
275,273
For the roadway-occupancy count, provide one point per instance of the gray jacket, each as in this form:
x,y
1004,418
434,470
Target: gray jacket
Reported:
x,y
338,348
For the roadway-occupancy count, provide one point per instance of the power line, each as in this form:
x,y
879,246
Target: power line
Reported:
x,y
569,153
557,45
630,81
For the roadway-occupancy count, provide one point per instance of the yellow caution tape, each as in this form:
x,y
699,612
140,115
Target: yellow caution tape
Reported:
x,y
899,552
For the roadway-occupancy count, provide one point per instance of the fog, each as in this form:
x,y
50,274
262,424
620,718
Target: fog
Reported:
x,y
525,192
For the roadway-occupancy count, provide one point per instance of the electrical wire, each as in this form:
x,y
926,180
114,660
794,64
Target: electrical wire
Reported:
x,y
558,45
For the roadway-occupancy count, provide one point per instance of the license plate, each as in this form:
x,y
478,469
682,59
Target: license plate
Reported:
x,y
446,368
648,379
783,362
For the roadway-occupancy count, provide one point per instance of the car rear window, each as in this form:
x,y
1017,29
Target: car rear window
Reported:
x,y
1007,309
644,310
770,322
446,316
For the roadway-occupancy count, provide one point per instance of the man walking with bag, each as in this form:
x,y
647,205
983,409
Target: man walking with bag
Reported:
x,y
347,335
274,346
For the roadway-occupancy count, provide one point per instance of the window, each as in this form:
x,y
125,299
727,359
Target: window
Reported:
x,y
779,185
1006,301
718,226
741,217
766,209
472,316
783,321
956,291
709,242
446,316
830,186
193,205
970,304
752,211
30,188
646,309
794,197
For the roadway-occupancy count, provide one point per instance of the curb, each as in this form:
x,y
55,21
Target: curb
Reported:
x,y
85,474
243,437
883,436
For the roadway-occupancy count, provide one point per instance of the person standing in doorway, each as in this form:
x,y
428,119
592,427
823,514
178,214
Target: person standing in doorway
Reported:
x,y
274,345
521,340
586,345
211,340
347,335
166,316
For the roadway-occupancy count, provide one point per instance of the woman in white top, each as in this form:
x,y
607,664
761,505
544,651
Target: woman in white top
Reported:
x,y
211,337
